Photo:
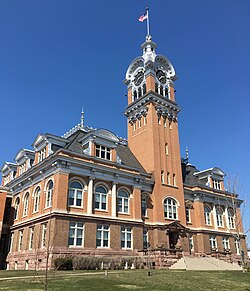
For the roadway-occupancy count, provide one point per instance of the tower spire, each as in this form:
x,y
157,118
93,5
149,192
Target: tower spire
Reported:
x,y
147,14
82,118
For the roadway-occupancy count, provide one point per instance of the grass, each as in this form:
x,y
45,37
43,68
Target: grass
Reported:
x,y
129,280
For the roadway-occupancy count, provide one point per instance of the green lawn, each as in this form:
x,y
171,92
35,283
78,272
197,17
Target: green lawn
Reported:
x,y
129,280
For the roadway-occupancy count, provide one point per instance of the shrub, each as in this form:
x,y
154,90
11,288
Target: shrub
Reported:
x,y
63,264
86,263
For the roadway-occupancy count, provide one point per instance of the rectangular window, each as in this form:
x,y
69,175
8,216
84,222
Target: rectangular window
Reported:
x,y
237,246
144,206
75,238
103,152
145,239
134,126
11,241
166,149
191,243
102,236
188,216
168,178
126,237
225,243
41,155
213,243
139,123
31,238
44,231
20,242
174,180
101,201
145,120
162,177
216,184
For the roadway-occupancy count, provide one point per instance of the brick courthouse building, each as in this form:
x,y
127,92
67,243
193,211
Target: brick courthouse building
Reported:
x,y
93,193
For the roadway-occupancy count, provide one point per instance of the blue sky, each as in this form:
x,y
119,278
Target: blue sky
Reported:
x,y
57,56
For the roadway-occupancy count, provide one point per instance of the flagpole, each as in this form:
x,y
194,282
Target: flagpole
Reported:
x,y
147,21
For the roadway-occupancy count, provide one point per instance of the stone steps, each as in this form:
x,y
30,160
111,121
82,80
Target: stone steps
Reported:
x,y
204,264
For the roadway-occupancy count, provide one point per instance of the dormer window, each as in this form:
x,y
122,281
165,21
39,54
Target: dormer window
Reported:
x,y
216,184
103,152
41,155
22,168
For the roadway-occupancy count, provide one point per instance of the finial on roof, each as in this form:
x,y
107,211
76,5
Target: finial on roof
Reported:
x,y
187,156
82,118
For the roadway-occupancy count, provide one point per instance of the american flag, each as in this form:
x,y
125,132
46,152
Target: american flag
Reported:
x,y
143,17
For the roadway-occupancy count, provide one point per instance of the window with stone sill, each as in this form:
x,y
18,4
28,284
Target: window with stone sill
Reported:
x,y
75,195
231,219
170,208
219,217
225,243
44,234
31,240
41,154
102,236
207,214
103,152
26,204
144,206
237,246
123,201
213,243
216,184
126,237
20,241
145,239
76,232
101,195
188,216
16,208
37,197
49,194
11,241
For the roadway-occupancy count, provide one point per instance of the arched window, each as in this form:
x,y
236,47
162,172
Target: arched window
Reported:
x,y
75,194
26,204
17,203
156,87
219,216
170,208
37,199
207,214
161,90
101,198
134,96
139,92
49,194
123,197
231,218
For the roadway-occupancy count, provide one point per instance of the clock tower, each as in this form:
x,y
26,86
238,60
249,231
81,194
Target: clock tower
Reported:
x,y
154,140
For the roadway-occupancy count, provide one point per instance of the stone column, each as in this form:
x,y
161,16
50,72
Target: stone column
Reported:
x,y
90,196
214,217
114,199
226,218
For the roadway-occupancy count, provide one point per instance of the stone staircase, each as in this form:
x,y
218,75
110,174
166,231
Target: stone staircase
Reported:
x,y
204,264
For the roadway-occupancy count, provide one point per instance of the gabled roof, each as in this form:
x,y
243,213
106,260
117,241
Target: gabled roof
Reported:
x,y
51,138
24,153
211,171
7,167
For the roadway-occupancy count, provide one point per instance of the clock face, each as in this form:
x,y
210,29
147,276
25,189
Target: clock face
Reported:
x,y
138,78
161,76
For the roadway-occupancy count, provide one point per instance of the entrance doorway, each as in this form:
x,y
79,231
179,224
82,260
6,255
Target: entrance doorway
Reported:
x,y
173,239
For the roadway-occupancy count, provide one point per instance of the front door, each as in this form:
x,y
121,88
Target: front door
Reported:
x,y
173,239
